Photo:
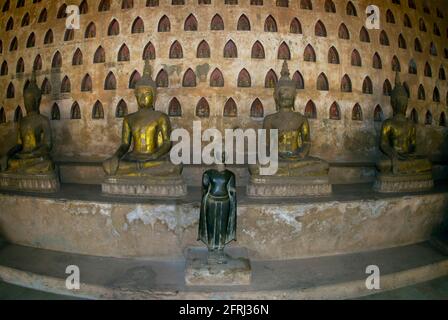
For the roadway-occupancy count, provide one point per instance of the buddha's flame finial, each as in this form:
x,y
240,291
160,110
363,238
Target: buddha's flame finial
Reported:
x,y
285,80
397,78
33,76
285,70
146,80
147,70
398,93
32,87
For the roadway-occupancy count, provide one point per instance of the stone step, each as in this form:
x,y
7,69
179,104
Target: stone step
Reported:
x,y
330,277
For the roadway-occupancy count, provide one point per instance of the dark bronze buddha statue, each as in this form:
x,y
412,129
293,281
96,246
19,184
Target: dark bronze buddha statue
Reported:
x,y
217,222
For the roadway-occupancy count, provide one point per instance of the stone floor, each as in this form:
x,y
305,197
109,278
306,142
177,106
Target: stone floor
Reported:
x,y
340,276
12,292
432,290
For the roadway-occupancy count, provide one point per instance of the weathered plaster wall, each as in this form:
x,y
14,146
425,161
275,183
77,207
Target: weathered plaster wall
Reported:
x,y
334,140
269,231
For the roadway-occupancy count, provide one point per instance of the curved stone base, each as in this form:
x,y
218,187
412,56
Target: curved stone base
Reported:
x,y
148,187
80,219
389,183
282,187
44,183
334,277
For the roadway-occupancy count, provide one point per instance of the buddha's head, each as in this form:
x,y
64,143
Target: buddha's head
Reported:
x,y
145,89
399,97
32,96
285,91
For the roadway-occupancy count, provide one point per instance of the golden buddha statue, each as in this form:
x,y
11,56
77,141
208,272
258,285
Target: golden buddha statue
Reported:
x,y
294,143
28,165
400,162
145,146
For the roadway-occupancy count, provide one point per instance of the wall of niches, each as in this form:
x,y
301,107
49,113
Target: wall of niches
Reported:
x,y
216,62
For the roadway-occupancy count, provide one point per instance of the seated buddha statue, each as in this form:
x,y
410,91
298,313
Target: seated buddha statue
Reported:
x,y
398,138
295,165
28,166
31,154
145,141
399,162
294,139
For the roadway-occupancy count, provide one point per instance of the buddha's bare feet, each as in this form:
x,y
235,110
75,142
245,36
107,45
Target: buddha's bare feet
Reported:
x,y
222,259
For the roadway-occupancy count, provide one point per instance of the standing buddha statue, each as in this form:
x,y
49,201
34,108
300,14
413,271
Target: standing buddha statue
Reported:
x,y
217,222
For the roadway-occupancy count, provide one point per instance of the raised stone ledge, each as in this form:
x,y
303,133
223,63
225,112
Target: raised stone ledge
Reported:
x,y
80,219
340,173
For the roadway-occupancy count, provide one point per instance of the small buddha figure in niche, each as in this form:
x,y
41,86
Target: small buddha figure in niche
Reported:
x,y
203,50
398,139
244,79
270,25
203,109
31,154
164,24
257,51
145,139
294,139
216,79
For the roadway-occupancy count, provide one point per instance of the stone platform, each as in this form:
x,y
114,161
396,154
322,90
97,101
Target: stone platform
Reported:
x,y
170,187
390,183
340,173
30,183
80,219
332,277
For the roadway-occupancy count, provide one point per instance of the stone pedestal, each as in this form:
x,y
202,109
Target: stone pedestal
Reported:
x,y
236,272
277,187
30,183
170,187
390,183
